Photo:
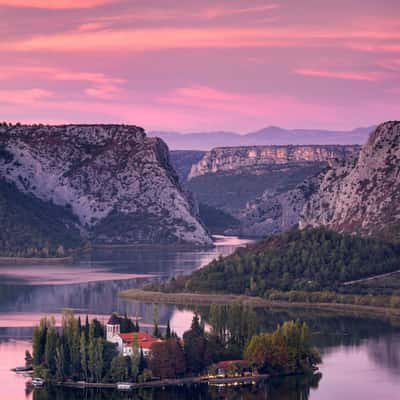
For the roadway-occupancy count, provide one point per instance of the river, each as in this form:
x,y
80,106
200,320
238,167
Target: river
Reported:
x,y
361,354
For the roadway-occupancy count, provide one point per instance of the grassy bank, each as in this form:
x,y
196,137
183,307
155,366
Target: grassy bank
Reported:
x,y
198,299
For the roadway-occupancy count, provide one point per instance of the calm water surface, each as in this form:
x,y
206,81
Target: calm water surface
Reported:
x,y
361,355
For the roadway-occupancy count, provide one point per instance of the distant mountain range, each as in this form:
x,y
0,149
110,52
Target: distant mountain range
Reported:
x,y
271,135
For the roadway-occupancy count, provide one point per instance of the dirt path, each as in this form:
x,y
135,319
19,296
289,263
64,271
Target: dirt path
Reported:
x,y
371,278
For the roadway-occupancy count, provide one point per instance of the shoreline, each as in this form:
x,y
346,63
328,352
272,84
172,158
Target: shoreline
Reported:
x,y
200,299
168,382
58,260
172,246
35,260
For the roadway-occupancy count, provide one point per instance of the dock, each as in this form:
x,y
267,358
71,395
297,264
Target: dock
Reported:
x,y
164,383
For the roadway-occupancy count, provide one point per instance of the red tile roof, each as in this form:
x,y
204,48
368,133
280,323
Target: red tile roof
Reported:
x,y
144,339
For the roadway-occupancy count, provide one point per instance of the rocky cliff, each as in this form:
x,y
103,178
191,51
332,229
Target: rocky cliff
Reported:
x,y
275,211
182,161
233,158
263,187
117,182
363,196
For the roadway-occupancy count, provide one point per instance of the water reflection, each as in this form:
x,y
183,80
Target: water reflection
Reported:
x,y
361,354
329,328
28,292
386,353
292,388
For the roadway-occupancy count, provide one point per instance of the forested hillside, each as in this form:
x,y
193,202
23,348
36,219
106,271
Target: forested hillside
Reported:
x,y
33,228
308,260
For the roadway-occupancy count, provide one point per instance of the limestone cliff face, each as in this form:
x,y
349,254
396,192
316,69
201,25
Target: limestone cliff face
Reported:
x,y
361,197
232,158
275,211
118,182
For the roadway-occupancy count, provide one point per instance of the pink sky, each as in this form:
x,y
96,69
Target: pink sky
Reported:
x,y
201,65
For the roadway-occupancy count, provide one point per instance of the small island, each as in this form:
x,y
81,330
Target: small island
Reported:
x,y
119,353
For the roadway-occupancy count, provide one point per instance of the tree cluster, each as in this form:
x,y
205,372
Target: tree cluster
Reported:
x,y
287,350
81,352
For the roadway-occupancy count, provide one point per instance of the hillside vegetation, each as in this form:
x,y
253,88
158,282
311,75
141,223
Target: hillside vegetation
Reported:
x,y
308,260
33,228
216,220
231,190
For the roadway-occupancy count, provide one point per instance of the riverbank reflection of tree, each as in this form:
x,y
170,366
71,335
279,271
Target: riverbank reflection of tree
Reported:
x,y
328,328
294,387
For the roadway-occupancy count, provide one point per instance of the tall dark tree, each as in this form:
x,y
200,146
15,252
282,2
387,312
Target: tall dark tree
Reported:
x,y
87,328
28,359
50,350
84,356
156,330
142,362
126,325
39,340
168,331
196,346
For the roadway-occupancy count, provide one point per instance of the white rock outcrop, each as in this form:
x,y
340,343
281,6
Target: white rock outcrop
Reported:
x,y
118,182
364,196
231,158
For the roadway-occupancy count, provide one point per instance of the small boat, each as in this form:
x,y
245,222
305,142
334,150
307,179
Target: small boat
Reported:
x,y
22,369
124,386
37,382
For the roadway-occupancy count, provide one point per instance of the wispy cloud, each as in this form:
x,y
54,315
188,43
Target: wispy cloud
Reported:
x,y
102,86
200,97
23,96
54,4
390,64
105,92
226,10
375,47
201,92
349,75
186,14
151,39
160,38
188,64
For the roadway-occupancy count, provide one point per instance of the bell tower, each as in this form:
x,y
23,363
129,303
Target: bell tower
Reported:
x,y
113,327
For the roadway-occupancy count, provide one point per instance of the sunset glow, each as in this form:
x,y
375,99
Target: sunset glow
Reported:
x,y
193,66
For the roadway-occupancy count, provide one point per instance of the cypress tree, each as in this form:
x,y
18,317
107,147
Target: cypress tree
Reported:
x,y
156,332
135,358
142,362
168,331
50,350
84,358
87,328
60,363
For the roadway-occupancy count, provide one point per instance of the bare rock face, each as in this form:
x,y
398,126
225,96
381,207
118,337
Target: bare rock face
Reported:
x,y
118,182
275,211
263,187
231,158
361,197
